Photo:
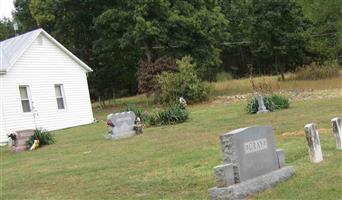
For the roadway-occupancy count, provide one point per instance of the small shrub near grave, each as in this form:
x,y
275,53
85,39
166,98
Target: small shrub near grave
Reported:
x,y
175,113
44,137
272,102
279,101
139,112
184,83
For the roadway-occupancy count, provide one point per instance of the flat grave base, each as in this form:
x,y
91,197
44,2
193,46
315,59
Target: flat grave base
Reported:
x,y
120,136
242,190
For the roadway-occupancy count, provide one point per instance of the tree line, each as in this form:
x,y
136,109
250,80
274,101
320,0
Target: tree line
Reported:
x,y
121,39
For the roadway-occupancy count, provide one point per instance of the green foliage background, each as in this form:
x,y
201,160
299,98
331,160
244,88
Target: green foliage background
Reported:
x,y
269,36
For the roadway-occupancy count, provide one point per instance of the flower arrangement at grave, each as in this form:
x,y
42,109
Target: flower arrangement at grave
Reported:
x,y
13,136
40,138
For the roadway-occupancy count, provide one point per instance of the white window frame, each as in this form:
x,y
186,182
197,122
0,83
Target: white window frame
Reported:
x,y
61,86
28,92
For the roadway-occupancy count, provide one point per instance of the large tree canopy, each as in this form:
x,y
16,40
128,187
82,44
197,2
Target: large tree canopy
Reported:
x,y
22,15
171,28
113,37
6,29
278,29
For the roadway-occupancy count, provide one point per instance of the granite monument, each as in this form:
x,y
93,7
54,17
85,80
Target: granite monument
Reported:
x,y
121,125
251,164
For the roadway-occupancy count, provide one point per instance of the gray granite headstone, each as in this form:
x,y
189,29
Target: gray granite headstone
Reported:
x,y
251,150
251,163
123,125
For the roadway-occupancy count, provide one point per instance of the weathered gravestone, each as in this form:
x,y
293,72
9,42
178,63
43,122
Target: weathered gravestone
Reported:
x,y
121,125
337,131
261,105
251,164
312,137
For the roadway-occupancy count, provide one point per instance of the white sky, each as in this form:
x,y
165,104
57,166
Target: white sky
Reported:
x,y
6,7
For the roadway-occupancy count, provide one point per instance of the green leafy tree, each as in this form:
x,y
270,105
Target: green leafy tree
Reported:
x,y
23,16
6,29
184,83
326,30
278,34
70,21
159,28
236,53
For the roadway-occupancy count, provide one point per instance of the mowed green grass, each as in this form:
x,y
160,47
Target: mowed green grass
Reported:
x,y
172,162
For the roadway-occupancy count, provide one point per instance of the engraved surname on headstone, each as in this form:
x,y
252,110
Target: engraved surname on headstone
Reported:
x,y
312,137
337,131
255,145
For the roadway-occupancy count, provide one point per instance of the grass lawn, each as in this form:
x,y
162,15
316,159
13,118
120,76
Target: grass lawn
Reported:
x,y
172,162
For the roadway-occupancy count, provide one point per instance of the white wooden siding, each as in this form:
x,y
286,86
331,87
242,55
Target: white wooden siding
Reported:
x,y
41,67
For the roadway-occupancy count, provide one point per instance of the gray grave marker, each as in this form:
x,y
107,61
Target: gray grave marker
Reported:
x,y
123,125
337,131
251,163
262,108
312,137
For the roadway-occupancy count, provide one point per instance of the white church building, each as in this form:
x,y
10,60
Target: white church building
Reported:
x,y
42,85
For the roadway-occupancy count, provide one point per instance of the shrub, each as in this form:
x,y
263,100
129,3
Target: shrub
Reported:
x,y
272,102
44,137
139,112
315,71
174,114
279,101
184,83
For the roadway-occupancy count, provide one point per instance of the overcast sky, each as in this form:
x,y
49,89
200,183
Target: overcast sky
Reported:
x,y
6,7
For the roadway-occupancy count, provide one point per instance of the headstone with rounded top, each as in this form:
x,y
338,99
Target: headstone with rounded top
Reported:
x,y
121,125
337,131
314,144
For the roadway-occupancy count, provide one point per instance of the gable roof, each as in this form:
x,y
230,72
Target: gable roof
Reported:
x,y
12,49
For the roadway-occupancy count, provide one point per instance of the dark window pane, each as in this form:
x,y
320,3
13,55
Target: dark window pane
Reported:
x,y
26,105
60,103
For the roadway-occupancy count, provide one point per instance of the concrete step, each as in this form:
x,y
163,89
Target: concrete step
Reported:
x,y
23,137
25,133
18,149
21,142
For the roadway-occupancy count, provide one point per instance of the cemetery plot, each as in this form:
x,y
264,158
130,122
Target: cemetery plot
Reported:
x,y
251,164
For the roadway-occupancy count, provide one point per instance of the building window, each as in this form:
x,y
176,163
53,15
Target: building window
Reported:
x,y
25,98
60,97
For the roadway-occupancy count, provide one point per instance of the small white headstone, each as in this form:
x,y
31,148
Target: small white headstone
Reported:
x,y
262,108
337,131
312,137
